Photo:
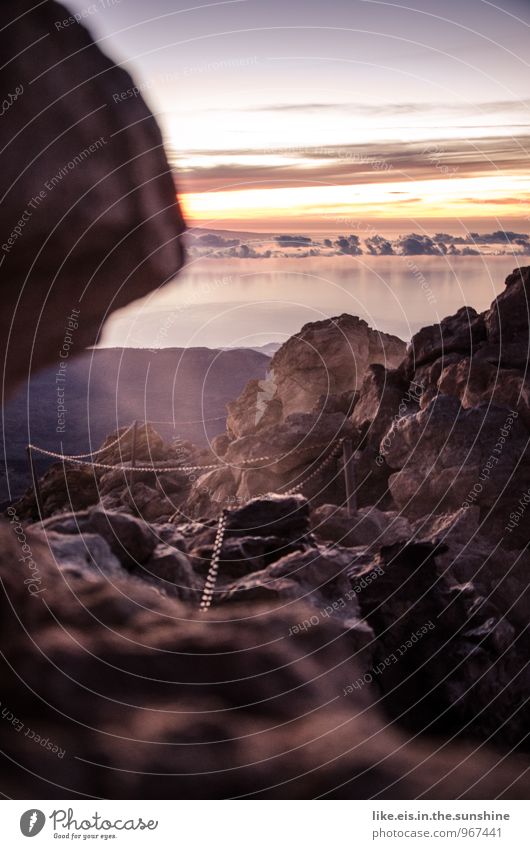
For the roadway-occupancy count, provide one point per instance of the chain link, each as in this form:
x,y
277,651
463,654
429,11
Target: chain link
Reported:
x,y
75,458
325,462
116,467
211,579
89,453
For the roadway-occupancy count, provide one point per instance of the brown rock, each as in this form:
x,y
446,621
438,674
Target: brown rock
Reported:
x,y
461,333
130,539
508,320
476,381
170,569
327,358
62,488
148,504
382,396
450,458
255,408
368,527
93,192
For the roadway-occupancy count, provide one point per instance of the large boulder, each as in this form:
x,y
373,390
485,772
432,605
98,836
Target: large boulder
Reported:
x,y
117,448
129,538
301,452
89,213
255,408
463,548
507,322
368,527
445,457
149,504
326,358
301,439
87,556
460,333
383,395
280,515
445,658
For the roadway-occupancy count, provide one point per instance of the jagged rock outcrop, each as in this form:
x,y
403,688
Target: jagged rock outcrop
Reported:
x,y
460,334
62,488
399,622
307,403
89,213
107,478
507,322
276,458
326,358
369,527
468,444
446,460
383,395
132,541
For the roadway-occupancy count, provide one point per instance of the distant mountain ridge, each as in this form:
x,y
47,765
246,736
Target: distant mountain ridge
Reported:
x,y
107,388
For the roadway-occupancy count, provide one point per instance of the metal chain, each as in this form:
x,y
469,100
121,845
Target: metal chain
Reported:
x,y
116,467
89,453
211,579
73,458
325,462
189,422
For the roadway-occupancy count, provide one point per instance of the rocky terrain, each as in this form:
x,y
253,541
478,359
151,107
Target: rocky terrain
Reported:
x,y
383,653
376,652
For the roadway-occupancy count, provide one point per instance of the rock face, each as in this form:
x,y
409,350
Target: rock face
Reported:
x,y
184,390
90,219
327,358
446,458
301,410
468,444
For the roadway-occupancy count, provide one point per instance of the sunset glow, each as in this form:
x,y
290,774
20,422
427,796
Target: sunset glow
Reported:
x,y
279,114
468,197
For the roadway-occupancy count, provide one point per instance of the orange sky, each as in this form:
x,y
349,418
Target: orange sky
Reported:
x,y
293,115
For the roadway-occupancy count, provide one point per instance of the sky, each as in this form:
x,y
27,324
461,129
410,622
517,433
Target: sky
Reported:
x,y
332,115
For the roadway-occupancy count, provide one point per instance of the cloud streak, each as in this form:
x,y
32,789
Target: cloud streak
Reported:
x,y
357,164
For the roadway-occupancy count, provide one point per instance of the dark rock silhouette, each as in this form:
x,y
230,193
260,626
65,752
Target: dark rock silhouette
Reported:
x,y
89,212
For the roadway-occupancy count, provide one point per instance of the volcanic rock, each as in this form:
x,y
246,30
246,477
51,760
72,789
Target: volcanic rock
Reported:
x,y
84,555
460,333
383,395
101,224
439,644
449,457
369,527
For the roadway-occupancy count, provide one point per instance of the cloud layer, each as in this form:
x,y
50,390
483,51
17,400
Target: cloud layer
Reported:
x,y
295,245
